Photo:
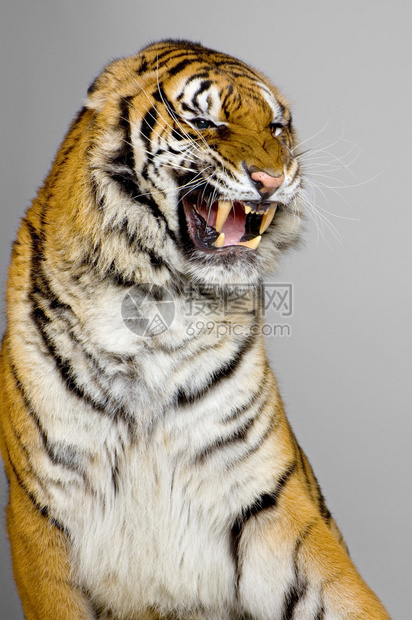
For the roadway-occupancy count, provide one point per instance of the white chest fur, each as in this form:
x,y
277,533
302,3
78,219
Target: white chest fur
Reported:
x,y
161,537
149,521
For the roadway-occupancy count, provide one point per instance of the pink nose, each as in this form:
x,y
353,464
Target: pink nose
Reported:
x,y
269,183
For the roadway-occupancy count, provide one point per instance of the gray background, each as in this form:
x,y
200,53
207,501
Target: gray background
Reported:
x,y
345,373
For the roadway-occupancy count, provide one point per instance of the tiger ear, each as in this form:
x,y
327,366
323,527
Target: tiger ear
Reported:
x,y
94,100
107,84
118,79
99,89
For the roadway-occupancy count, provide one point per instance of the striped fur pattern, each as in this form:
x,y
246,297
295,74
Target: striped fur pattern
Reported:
x,y
156,476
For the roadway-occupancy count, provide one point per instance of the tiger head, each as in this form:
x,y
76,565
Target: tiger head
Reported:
x,y
203,151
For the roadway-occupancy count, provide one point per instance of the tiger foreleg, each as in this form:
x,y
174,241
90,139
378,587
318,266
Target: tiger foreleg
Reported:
x,y
292,565
41,563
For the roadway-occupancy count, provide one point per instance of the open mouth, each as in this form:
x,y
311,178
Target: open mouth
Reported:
x,y
226,224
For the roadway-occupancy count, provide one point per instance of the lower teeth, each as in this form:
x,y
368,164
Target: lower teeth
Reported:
x,y
252,244
220,241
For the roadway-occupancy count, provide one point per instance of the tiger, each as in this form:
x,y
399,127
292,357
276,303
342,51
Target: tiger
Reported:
x,y
152,471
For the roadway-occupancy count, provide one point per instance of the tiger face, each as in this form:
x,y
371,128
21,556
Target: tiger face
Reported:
x,y
210,141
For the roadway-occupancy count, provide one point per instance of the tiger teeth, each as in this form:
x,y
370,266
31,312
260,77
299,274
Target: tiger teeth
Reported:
x,y
266,219
223,209
219,243
252,244
247,209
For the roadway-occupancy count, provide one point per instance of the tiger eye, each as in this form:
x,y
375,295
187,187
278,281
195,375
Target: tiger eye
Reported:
x,y
202,123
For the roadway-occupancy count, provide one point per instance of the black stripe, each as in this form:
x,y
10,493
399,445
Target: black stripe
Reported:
x,y
129,184
63,365
169,55
176,135
115,468
124,157
196,76
115,478
126,178
237,69
282,107
246,406
229,97
203,86
183,64
41,320
184,398
309,485
93,86
148,122
263,502
43,510
294,594
273,423
238,436
189,108
241,435
268,500
324,511
40,282
99,200
133,241
149,202
38,295
160,96
60,454
130,187
299,587
68,374
143,66
314,487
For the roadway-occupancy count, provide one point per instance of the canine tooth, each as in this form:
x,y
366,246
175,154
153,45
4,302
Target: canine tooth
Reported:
x,y
266,219
252,244
247,209
219,243
223,209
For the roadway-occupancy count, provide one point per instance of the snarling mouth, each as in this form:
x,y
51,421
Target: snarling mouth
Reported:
x,y
224,224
